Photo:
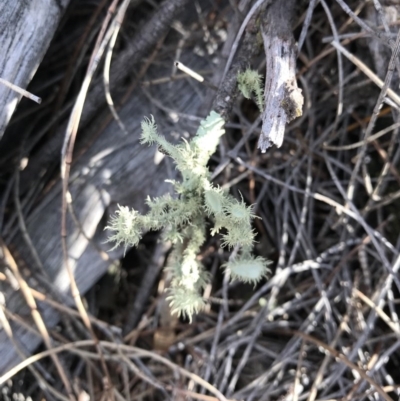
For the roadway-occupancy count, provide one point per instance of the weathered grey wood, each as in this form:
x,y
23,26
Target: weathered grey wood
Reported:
x,y
114,169
283,99
141,45
111,168
26,29
223,100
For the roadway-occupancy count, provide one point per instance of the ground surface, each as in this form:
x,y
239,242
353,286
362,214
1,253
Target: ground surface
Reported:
x,y
324,325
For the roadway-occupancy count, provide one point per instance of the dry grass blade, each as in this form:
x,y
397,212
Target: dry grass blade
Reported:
x,y
70,137
30,300
127,350
370,74
42,382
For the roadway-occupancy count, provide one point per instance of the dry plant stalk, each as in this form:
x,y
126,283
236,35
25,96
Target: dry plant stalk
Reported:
x,y
21,91
283,99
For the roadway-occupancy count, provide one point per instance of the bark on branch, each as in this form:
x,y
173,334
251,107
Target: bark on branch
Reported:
x,y
283,99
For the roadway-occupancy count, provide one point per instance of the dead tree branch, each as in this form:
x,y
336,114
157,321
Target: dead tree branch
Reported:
x,y
283,99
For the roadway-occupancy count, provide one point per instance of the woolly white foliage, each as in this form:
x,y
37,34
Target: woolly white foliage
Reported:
x,y
184,218
239,211
247,269
238,234
184,302
214,201
249,82
149,131
126,226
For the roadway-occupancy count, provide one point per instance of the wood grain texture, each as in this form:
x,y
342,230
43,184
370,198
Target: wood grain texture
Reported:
x,y
26,29
111,168
283,99
125,66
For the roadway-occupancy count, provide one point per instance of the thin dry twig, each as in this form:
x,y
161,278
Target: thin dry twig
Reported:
x,y
21,91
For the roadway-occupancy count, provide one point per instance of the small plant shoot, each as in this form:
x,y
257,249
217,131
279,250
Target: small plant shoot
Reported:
x,y
250,82
185,218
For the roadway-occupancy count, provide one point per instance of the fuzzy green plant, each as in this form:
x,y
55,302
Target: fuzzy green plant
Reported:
x,y
250,83
185,218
